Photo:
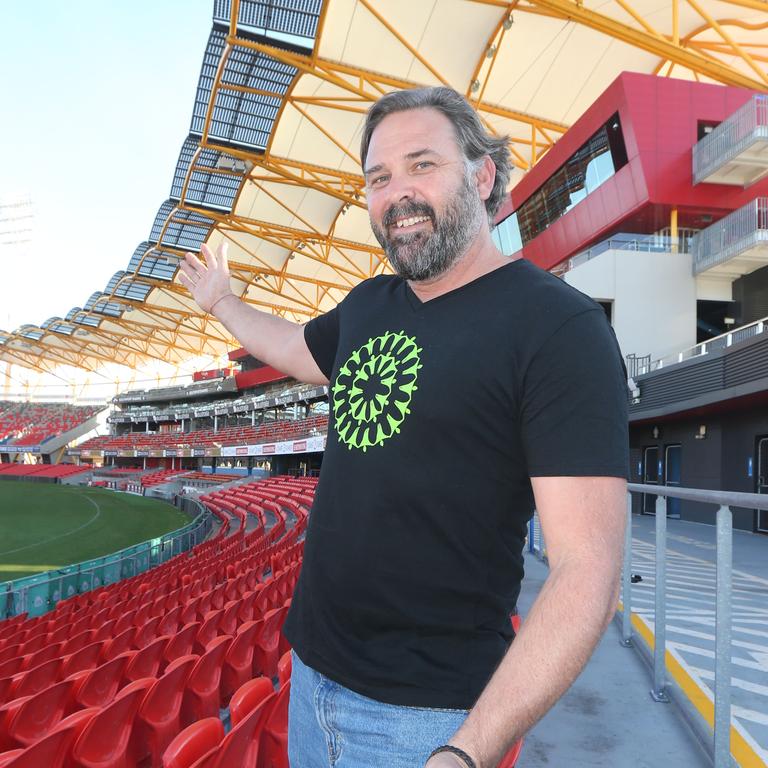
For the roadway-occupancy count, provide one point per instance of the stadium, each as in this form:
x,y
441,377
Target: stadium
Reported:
x,y
157,479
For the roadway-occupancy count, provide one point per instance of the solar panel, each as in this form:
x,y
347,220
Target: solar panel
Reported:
x,y
30,332
240,119
207,189
186,230
162,214
57,325
293,21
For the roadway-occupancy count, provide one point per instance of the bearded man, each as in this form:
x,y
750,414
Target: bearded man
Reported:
x,y
465,389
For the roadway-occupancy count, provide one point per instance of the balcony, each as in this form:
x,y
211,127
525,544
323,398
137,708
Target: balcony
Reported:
x,y
723,368
736,245
736,152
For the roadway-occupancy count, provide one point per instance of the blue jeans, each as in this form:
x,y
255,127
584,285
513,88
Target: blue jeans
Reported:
x,y
330,726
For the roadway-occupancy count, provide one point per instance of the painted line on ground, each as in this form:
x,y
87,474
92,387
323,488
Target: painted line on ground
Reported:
x,y
61,536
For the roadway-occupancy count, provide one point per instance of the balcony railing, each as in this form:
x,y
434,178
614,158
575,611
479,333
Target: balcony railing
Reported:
x,y
733,137
627,241
734,239
646,365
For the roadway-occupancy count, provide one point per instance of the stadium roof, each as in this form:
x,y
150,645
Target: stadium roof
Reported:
x,y
271,164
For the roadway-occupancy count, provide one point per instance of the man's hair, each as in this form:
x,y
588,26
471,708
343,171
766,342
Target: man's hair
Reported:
x,y
474,141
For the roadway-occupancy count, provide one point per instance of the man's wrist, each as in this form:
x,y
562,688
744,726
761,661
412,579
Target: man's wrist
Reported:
x,y
218,301
462,758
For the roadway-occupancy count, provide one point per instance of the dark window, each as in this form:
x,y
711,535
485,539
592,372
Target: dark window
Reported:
x,y
704,128
591,165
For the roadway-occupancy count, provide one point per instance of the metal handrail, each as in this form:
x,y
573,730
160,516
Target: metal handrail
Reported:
x,y
723,500
730,137
716,343
730,236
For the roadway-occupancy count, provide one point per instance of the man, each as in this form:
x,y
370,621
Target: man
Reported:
x,y
464,389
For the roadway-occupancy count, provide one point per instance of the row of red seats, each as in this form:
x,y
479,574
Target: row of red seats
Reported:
x,y
33,423
273,432
40,470
235,577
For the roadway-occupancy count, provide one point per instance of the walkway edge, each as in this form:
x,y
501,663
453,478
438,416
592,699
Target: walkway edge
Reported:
x,y
695,702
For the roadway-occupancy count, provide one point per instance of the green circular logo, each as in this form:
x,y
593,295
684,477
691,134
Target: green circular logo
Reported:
x,y
373,390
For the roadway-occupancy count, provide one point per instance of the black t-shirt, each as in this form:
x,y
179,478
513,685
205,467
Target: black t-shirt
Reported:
x,y
440,414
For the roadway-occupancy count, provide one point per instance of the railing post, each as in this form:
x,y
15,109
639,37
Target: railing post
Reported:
x,y
660,613
723,638
626,580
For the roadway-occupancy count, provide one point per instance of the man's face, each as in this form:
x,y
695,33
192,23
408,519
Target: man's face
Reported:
x,y
423,202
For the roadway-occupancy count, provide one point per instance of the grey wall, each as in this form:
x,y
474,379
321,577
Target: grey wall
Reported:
x,y
717,462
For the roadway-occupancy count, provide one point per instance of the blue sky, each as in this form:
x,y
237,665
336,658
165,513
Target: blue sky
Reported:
x,y
95,102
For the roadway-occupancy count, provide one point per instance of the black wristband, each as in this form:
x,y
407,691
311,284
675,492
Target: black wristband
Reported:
x,y
454,751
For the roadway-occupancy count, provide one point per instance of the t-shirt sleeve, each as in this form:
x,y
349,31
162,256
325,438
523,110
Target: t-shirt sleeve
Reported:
x,y
573,405
321,335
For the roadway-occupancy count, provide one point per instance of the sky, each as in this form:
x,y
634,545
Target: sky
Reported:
x,y
95,102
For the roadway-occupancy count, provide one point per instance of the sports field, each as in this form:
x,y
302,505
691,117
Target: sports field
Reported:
x,y
45,526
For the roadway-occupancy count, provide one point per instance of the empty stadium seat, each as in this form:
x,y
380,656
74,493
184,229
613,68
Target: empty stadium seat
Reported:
x,y
195,742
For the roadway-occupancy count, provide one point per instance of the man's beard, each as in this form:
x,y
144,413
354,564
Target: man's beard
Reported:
x,y
425,255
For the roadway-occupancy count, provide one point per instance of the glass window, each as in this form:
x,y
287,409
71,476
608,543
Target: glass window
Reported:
x,y
589,167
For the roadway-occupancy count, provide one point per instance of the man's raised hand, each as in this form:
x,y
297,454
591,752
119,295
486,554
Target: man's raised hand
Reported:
x,y
207,282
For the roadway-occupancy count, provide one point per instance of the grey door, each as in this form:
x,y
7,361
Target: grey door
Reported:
x,y
651,473
673,455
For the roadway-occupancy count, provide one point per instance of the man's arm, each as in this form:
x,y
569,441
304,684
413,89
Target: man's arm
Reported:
x,y
274,340
583,520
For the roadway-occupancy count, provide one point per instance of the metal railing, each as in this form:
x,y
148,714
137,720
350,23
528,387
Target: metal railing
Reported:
x,y
38,594
723,341
723,501
745,228
628,242
731,137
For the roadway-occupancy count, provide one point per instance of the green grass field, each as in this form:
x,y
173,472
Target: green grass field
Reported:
x,y
45,526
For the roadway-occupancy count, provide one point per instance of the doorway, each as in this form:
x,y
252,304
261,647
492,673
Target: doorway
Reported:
x,y
651,474
673,455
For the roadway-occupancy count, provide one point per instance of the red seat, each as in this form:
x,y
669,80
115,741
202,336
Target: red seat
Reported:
x,y
146,662
195,742
202,697
182,642
273,752
248,696
238,662
158,718
242,746
97,687
284,669
11,666
34,680
38,714
32,660
208,631
104,741
170,622
77,641
146,633
267,651
86,658
118,644
53,750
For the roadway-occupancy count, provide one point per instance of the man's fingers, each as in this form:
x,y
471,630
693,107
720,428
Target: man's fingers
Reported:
x,y
185,280
223,257
210,256
194,264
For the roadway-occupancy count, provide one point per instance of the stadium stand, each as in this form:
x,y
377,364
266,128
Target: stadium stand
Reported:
x,y
163,652
270,432
36,471
33,423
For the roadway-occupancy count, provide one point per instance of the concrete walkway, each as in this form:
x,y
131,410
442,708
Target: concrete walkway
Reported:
x,y
607,718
